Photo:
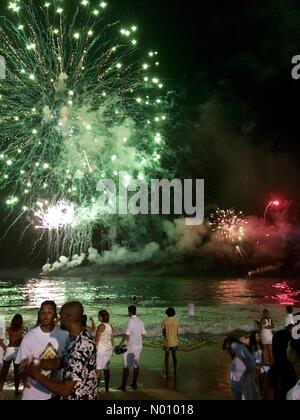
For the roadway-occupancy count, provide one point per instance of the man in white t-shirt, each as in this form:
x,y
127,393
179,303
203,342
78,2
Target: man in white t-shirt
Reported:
x,y
45,342
134,334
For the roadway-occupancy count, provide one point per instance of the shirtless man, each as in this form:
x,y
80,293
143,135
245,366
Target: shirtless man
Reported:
x,y
15,334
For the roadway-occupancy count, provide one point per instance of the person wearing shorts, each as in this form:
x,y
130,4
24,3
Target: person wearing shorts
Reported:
x,y
134,334
104,342
15,334
170,330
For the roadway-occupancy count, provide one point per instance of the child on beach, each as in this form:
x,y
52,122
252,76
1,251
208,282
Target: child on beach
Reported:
x,y
170,330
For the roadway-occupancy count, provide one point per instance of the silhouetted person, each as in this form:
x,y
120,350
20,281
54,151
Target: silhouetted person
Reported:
x,y
281,376
90,328
257,350
107,302
289,319
294,357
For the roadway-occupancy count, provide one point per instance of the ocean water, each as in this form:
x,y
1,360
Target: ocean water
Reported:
x,y
221,305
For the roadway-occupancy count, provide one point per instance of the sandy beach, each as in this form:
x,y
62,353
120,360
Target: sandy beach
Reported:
x,y
222,306
202,375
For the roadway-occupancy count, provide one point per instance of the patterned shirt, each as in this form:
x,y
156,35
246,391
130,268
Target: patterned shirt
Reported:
x,y
80,362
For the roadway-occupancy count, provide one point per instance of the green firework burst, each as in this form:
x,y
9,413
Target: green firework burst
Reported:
x,y
77,104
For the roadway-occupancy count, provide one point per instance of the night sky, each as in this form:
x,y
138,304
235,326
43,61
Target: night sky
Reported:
x,y
230,66
236,104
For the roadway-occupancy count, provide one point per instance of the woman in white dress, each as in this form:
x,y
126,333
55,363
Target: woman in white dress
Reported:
x,y
104,342
267,326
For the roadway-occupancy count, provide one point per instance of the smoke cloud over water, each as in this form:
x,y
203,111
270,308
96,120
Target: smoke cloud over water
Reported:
x,y
266,247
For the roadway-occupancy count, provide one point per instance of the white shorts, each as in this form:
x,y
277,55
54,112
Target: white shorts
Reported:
x,y
103,360
11,354
131,358
267,338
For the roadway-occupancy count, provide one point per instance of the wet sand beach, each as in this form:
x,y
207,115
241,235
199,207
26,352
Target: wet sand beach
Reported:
x,y
222,306
202,375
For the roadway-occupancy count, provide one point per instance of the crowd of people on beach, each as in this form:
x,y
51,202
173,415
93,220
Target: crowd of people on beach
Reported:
x,y
63,358
266,365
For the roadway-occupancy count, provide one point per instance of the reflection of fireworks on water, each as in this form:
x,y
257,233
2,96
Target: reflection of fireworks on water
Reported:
x,y
229,225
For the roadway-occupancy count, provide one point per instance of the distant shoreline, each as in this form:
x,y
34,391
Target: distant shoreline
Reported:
x,y
19,273
146,270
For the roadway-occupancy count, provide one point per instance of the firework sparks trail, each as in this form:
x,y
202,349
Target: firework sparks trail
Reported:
x,y
77,104
69,232
238,248
55,217
229,226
